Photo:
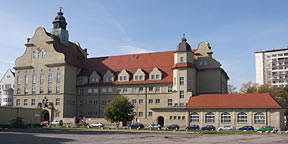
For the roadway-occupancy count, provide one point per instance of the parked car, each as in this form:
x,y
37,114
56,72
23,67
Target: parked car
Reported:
x,y
56,123
97,124
227,127
251,128
44,123
154,126
136,125
193,127
82,123
173,126
267,128
208,127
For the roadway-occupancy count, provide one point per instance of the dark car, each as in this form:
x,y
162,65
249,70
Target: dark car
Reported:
x,y
82,123
208,127
193,127
136,125
247,128
173,126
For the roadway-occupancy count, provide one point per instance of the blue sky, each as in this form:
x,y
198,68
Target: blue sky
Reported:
x,y
235,29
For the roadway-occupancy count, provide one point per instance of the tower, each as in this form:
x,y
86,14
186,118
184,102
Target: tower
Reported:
x,y
184,72
59,28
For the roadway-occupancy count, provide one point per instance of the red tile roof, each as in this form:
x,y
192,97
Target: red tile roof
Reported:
x,y
262,100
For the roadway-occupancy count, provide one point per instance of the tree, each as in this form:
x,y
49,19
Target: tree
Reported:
x,y
119,110
282,98
248,87
232,89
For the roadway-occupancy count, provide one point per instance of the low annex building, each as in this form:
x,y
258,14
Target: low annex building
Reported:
x,y
56,75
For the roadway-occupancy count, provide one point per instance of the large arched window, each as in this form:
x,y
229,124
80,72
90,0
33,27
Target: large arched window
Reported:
x,y
194,117
259,118
242,117
209,117
225,117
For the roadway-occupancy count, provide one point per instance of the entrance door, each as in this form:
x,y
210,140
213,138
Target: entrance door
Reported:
x,y
45,115
161,121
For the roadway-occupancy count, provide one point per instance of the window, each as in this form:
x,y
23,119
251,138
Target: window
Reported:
x,y
109,90
181,81
80,102
209,117
136,77
50,77
181,59
259,118
225,117
41,90
134,89
150,89
57,114
34,78
18,91
18,79
103,90
118,90
175,81
17,102
96,90
140,101
179,117
170,102
125,78
183,117
41,78
140,114
95,102
103,102
34,54
80,91
49,90
33,90
124,90
32,102
140,89
89,90
80,114
181,94
150,101
175,117
140,77
169,88
57,101
43,54
152,77
157,88
134,101
157,101
25,91
120,78
58,77
194,117
26,79
25,102
150,114
170,117
58,89
242,117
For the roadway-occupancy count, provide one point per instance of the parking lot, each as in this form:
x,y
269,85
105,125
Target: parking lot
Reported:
x,y
86,136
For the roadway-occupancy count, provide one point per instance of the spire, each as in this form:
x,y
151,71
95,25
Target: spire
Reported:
x,y
183,46
59,28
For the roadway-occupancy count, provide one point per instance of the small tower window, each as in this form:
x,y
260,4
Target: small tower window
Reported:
x,y
181,59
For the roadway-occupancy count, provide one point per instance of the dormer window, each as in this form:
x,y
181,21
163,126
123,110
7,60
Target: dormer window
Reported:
x,y
123,76
109,76
155,74
139,75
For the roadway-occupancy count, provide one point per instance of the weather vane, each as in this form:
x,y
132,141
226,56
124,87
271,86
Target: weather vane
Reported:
x,y
183,34
60,8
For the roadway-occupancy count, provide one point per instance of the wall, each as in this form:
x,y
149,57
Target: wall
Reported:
x,y
30,116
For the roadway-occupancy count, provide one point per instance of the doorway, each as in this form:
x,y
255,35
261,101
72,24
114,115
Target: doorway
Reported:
x,y
161,121
45,115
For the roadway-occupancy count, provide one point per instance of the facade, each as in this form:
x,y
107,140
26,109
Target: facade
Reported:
x,y
7,88
271,67
56,76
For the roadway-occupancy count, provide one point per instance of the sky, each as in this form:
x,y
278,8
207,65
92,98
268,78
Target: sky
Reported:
x,y
235,29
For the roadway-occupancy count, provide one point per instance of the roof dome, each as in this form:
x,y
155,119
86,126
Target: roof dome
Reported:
x,y
59,21
183,46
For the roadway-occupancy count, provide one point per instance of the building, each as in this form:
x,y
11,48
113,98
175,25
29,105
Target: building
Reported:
x,y
6,88
271,67
56,76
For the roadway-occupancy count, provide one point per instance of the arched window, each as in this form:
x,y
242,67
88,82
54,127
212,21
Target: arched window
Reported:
x,y
225,117
209,117
259,118
34,55
242,117
194,117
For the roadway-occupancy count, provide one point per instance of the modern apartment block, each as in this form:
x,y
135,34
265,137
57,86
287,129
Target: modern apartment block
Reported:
x,y
272,67
7,88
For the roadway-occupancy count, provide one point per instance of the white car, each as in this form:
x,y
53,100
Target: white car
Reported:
x,y
226,128
154,126
56,122
97,124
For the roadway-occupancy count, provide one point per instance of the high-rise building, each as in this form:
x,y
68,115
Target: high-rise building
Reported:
x,y
272,67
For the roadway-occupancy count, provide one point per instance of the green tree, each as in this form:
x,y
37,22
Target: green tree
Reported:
x,y
282,98
232,89
119,110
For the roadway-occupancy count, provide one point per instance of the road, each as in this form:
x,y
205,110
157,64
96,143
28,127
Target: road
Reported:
x,y
87,136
